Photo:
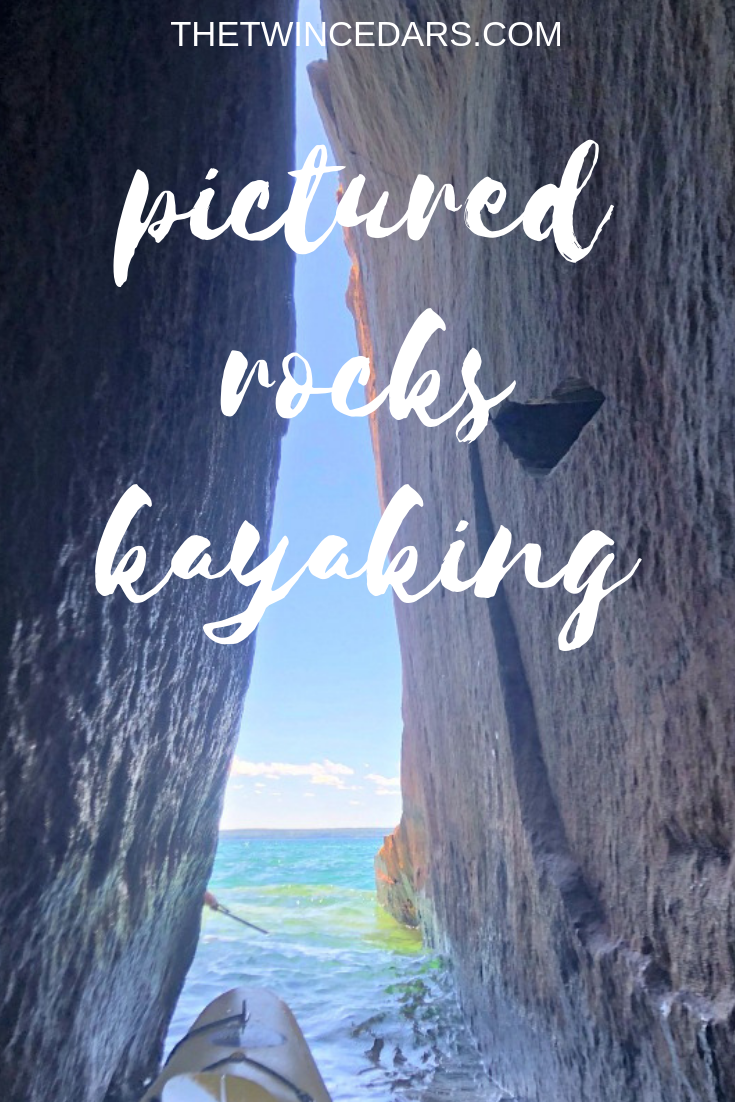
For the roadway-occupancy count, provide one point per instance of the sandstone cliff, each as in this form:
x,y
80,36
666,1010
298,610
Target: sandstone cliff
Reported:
x,y
569,816
118,721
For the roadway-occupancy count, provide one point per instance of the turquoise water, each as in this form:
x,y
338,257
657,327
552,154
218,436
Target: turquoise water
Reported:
x,y
377,1010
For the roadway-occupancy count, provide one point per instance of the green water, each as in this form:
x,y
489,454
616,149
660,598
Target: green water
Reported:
x,y
377,1010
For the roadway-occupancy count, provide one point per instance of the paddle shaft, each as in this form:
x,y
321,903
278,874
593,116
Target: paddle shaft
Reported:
x,y
244,922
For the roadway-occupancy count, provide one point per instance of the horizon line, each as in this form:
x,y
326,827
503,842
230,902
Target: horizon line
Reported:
x,y
303,830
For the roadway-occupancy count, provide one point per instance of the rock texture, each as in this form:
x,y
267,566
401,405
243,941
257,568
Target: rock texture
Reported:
x,y
569,817
118,720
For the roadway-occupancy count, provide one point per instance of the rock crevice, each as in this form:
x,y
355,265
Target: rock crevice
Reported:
x,y
539,812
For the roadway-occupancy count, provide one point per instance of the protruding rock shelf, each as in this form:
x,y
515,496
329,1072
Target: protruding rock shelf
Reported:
x,y
568,823
394,879
118,720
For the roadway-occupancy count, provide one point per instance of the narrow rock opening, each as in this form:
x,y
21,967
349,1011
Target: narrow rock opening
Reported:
x,y
540,433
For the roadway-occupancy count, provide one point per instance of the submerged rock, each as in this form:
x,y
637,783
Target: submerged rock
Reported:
x,y
118,720
568,824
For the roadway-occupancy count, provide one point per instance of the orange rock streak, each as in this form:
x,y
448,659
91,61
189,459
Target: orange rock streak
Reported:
x,y
357,305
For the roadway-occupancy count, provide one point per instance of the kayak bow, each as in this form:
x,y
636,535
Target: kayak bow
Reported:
x,y
246,1046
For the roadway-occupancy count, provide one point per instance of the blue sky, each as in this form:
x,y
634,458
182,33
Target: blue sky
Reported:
x,y
320,738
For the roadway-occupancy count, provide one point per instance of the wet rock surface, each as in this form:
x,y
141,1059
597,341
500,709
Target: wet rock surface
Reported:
x,y
118,720
568,816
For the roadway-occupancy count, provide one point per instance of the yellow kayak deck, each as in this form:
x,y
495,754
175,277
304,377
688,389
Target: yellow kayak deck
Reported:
x,y
246,1046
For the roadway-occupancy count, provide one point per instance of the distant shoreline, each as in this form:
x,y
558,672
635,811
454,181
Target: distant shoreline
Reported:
x,y
256,832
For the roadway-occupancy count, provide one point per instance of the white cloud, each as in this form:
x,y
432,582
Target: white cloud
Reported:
x,y
309,793
326,772
328,779
384,782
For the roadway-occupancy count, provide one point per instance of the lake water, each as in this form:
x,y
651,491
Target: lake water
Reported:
x,y
377,1010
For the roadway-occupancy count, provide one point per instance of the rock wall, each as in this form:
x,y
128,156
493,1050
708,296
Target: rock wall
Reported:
x,y
568,823
118,720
